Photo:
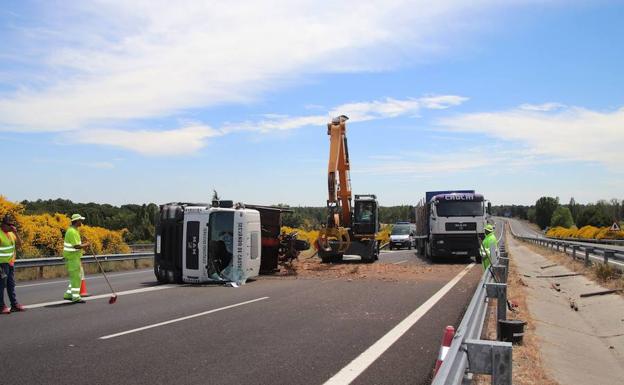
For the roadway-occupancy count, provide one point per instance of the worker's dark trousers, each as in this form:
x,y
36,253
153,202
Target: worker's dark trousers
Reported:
x,y
8,281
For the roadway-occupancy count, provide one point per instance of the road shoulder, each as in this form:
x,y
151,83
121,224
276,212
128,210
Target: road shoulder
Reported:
x,y
584,346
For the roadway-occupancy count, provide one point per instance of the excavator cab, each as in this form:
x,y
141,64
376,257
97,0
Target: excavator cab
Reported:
x,y
365,216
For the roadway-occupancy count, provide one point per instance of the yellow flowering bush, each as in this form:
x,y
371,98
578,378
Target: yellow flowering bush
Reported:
x,y
308,235
585,232
42,235
384,234
312,235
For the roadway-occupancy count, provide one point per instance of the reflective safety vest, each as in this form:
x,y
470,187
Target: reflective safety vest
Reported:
x,y
7,247
489,240
72,238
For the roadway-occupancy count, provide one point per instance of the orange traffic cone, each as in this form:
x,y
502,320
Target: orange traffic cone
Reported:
x,y
83,289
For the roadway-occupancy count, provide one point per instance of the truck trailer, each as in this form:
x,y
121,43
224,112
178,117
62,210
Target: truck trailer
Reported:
x,y
450,224
202,242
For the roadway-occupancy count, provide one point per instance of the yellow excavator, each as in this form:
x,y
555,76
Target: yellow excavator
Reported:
x,y
350,229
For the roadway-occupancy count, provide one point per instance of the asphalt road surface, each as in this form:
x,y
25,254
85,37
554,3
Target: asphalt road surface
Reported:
x,y
274,330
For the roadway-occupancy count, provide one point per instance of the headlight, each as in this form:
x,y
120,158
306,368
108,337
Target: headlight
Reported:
x,y
441,242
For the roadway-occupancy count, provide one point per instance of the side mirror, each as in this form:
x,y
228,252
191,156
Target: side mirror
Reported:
x,y
489,208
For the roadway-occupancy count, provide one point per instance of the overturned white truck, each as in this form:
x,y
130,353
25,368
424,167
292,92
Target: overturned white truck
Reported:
x,y
219,242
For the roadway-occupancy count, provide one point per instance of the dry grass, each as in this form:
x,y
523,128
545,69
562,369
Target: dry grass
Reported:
x,y
527,362
605,275
32,273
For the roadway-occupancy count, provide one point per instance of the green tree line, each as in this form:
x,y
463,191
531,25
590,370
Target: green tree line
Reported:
x,y
139,220
549,212
310,218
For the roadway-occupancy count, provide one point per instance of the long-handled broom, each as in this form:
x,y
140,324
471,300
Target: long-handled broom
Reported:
x,y
113,298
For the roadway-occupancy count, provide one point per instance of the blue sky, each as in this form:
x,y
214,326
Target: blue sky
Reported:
x,y
131,102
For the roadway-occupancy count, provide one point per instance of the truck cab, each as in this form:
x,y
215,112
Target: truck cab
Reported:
x,y
197,243
456,224
450,224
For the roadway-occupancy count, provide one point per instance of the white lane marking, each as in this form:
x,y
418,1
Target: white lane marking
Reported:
x,y
181,318
363,361
120,293
87,278
400,262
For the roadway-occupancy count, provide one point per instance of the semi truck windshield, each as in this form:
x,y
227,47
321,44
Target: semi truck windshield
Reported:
x,y
459,209
221,241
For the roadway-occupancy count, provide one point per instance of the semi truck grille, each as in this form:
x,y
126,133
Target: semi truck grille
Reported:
x,y
461,226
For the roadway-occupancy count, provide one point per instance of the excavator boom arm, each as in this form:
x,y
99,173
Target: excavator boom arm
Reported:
x,y
339,183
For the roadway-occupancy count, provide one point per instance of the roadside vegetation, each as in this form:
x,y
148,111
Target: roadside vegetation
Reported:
x,y
572,220
42,234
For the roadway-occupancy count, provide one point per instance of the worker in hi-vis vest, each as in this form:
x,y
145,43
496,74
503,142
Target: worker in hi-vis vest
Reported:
x,y
488,241
9,240
72,252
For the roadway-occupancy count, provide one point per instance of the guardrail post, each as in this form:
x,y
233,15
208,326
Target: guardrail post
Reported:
x,y
498,291
136,263
557,246
491,357
565,248
40,272
587,251
574,248
608,254
500,272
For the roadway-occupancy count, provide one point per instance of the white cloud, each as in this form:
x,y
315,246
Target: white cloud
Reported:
x,y
190,139
105,63
185,140
356,111
542,107
570,133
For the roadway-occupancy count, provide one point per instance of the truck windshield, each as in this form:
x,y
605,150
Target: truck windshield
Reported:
x,y
221,239
400,230
459,209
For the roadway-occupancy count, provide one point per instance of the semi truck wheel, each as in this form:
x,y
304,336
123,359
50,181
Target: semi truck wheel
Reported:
x,y
161,275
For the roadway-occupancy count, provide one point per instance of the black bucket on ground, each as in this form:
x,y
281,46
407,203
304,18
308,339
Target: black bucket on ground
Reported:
x,y
512,330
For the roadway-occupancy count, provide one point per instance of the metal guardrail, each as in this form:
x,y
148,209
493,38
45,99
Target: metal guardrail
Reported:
x,y
57,261
468,354
607,254
615,242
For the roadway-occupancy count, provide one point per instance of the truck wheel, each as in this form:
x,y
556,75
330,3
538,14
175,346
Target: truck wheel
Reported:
x,y
161,275
331,258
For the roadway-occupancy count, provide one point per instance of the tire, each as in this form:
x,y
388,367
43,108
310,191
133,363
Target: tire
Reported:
x,y
161,276
301,245
331,258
